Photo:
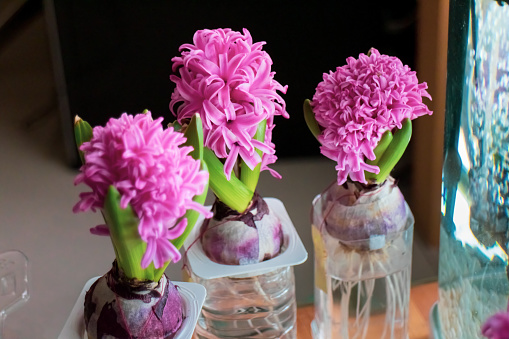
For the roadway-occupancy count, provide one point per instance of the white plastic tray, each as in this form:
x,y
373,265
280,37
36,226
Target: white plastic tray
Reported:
x,y
193,296
294,251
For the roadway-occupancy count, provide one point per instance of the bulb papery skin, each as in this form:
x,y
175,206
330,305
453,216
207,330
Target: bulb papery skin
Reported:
x,y
354,216
233,238
118,307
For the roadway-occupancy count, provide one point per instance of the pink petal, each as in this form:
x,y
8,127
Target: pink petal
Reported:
x,y
230,161
177,230
244,89
355,104
100,230
251,159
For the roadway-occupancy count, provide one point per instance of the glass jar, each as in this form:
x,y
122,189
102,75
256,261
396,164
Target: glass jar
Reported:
x,y
244,306
475,207
362,286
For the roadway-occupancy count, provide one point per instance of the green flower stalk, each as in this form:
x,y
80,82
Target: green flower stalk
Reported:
x,y
122,222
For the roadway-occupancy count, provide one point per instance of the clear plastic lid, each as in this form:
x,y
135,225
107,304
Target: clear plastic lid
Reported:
x,y
294,252
13,283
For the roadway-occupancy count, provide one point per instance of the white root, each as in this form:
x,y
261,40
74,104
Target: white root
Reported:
x,y
273,322
397,293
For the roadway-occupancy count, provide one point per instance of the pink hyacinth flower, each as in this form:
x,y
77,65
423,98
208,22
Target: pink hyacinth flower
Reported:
x,y
497,326
227,79
153,174
358,102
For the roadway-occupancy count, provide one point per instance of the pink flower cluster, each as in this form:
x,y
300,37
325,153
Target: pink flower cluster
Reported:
x,y
497,326
151,172
228,80
358,102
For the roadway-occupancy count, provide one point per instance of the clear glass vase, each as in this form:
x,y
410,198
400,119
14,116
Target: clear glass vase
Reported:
x,y
475,192
258,306
362,286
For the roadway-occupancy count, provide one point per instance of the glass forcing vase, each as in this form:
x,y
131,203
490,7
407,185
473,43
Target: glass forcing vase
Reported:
x,y
473,284
362,273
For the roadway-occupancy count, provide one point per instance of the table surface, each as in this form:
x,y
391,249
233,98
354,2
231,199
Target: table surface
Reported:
x,y
422,297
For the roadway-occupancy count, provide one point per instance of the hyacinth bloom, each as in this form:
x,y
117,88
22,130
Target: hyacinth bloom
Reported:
x,y
497,326
227,79
154,175
355,105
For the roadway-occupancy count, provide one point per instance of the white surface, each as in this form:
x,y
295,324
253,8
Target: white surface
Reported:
x,y
193,296
293,254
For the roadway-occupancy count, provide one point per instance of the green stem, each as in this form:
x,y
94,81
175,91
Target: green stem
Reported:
x,y
379,152
396,148
127,243
191,216
232,192
247,176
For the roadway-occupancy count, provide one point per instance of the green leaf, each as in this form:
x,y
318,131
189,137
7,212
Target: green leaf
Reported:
x,y
249,176
233,192
194,136
379,151
176,126
123,226
191,215
82,133
309,116
394,151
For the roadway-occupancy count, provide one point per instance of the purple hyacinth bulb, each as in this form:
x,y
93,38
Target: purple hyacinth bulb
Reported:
x,y
233,238
356,217
120,308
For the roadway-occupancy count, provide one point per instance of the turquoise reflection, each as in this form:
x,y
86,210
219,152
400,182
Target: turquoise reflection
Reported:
x,y
474,233
464,234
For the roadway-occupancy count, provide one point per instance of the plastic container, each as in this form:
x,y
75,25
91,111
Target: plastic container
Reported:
x,y
13,283
248,301
259,306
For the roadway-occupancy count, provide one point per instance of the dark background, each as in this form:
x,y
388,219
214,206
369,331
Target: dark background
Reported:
x,y
116,54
